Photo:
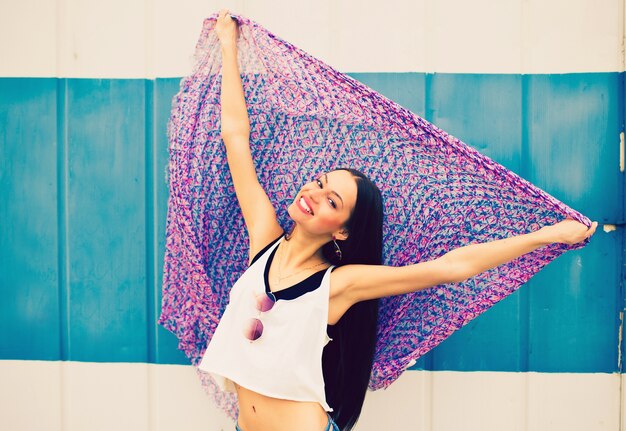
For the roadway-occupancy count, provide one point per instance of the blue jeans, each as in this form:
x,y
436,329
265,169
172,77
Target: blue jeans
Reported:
x,y
332,426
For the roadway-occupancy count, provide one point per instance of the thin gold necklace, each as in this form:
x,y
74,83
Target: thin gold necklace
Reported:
x,y
279,278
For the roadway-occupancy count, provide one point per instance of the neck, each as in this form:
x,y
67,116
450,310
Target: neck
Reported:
x,y
302,249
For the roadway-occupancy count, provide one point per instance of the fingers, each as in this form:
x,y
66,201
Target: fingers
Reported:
x,y
591,229
223,16
581,234
223,13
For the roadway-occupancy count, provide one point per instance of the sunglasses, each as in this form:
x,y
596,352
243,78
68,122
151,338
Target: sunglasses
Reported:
x,y
254,328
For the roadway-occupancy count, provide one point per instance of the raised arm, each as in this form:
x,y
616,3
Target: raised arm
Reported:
x,y
362,282
258,212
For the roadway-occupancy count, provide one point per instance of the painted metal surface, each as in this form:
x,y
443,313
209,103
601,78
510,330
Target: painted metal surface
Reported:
x,y
83,165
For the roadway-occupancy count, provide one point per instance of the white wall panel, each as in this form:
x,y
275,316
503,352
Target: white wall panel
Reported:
x,y
31,395
28,38
73,396
573,36
574,401
370,37
156,38
475,36
102,39
476,401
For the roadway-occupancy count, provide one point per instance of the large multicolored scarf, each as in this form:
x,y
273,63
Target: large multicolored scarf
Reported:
x,y
306,118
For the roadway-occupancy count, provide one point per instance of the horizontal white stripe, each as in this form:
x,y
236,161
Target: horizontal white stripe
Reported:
x,y
68,396
156,38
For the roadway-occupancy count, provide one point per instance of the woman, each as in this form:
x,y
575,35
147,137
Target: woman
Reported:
x,y
296,341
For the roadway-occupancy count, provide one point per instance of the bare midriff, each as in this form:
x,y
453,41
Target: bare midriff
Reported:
x,y
259,412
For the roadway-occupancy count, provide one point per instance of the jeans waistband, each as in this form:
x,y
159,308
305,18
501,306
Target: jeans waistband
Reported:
x,y
331,426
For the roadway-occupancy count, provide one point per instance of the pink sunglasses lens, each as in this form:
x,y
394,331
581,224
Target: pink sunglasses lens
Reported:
x,y
264,303
253,329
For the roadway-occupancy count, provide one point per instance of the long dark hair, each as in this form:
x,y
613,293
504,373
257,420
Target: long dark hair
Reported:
x,y
347,360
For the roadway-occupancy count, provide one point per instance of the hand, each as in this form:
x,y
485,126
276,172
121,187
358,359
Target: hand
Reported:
x,y
569,231
226,28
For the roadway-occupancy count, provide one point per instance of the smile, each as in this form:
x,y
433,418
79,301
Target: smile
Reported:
x,y
303,206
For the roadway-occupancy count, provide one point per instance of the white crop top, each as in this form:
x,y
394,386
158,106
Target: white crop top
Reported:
x,y
286,361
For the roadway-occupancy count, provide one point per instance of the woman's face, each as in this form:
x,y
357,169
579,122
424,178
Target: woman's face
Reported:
x,y
330,197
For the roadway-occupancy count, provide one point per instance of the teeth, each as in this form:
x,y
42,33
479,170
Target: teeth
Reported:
x,y
305,206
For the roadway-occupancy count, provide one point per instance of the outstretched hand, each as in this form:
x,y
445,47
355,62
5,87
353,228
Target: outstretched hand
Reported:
x,y
569,231
226,28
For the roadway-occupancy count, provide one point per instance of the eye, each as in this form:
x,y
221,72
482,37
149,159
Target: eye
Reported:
x,y
332,203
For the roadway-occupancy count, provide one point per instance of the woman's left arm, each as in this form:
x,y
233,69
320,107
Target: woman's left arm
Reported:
x,y
362,282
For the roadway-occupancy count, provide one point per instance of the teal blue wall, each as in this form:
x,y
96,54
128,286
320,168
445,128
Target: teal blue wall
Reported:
x,y
82,176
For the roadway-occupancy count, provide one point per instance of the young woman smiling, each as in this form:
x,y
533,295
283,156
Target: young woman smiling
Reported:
x,y
297,339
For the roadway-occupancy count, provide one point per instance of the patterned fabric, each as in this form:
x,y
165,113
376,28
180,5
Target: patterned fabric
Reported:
x,y
306,117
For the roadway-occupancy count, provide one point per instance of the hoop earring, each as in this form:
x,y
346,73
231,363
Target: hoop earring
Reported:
x,y
338,250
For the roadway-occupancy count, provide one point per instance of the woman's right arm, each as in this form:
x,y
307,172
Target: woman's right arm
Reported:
x,y
258,212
